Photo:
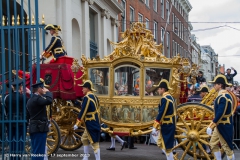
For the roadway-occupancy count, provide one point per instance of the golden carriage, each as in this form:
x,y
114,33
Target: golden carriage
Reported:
x,y
128,101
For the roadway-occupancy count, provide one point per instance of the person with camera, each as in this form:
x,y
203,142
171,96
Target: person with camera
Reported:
x,y
230,76
38,120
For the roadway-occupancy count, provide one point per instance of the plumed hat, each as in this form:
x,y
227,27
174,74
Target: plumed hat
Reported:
x,y
88,84
163,84
203,89
220,79
54,27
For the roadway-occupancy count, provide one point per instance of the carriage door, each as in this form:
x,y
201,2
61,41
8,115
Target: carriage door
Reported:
x,y
21,35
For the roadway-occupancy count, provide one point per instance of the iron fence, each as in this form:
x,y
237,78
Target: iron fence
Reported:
x,y
21,34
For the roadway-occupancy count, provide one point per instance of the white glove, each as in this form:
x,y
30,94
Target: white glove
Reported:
x,y
49,125
75,127
154,132
209,131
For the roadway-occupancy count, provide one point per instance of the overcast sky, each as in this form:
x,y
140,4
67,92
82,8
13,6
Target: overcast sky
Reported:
x,y
225,41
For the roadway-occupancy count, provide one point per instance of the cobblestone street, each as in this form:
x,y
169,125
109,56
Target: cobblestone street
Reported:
x,y
143,152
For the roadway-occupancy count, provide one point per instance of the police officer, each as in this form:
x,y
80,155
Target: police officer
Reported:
x,y
89,115
222,124
56,43
16,132
37,115
165,120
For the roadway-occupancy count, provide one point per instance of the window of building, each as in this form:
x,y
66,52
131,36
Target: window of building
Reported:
x,y
175,25
162,35
182,31
168,44
173,48
123,21
173,22
155,30
162,8
147,2
176,49
140,17
155,5
167,11
147,23
131,14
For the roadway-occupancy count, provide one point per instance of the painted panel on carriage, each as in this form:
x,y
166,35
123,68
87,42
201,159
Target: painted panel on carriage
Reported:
x,y
127,113
149,113
100,80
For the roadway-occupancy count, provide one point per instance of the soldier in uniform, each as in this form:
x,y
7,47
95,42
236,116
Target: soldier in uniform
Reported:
x,y
166,120
56,44
221,128
37,116
203,90
89,115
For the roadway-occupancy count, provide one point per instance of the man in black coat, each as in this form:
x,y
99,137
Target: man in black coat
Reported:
x,y
230,76
200,79
15,103
37,115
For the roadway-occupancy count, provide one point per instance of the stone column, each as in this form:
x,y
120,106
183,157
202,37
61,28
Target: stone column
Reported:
x,y
105,15
85,27
67,26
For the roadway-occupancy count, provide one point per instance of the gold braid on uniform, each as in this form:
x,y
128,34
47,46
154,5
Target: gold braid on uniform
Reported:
x,y
78,123
156,125
212,125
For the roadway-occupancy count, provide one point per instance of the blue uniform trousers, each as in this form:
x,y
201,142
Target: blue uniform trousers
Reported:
x,y
38,143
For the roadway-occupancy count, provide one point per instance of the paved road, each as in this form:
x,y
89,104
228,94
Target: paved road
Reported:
x,y
143,152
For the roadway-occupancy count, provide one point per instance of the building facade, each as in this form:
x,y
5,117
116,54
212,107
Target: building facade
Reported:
x,y
205,65
214,65
87,25
167,19
195,50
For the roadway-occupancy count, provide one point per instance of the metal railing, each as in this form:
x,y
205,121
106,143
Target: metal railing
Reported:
x,y
19,46
236,138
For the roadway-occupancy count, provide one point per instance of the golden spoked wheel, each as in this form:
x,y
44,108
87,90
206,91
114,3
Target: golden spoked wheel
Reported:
x,y
53,138
192,122
70,139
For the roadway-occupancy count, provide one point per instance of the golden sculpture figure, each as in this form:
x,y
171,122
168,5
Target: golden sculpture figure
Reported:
x,y
175,85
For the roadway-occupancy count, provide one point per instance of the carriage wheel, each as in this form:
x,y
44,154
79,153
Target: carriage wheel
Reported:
x,y
192,122
70,139
53,139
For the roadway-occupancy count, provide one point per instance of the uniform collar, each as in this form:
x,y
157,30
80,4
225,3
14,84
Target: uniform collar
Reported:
x,y
165,93
222,91
89,92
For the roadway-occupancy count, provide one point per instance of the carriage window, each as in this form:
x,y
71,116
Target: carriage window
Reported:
x,y
100,79
126,81
153,77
